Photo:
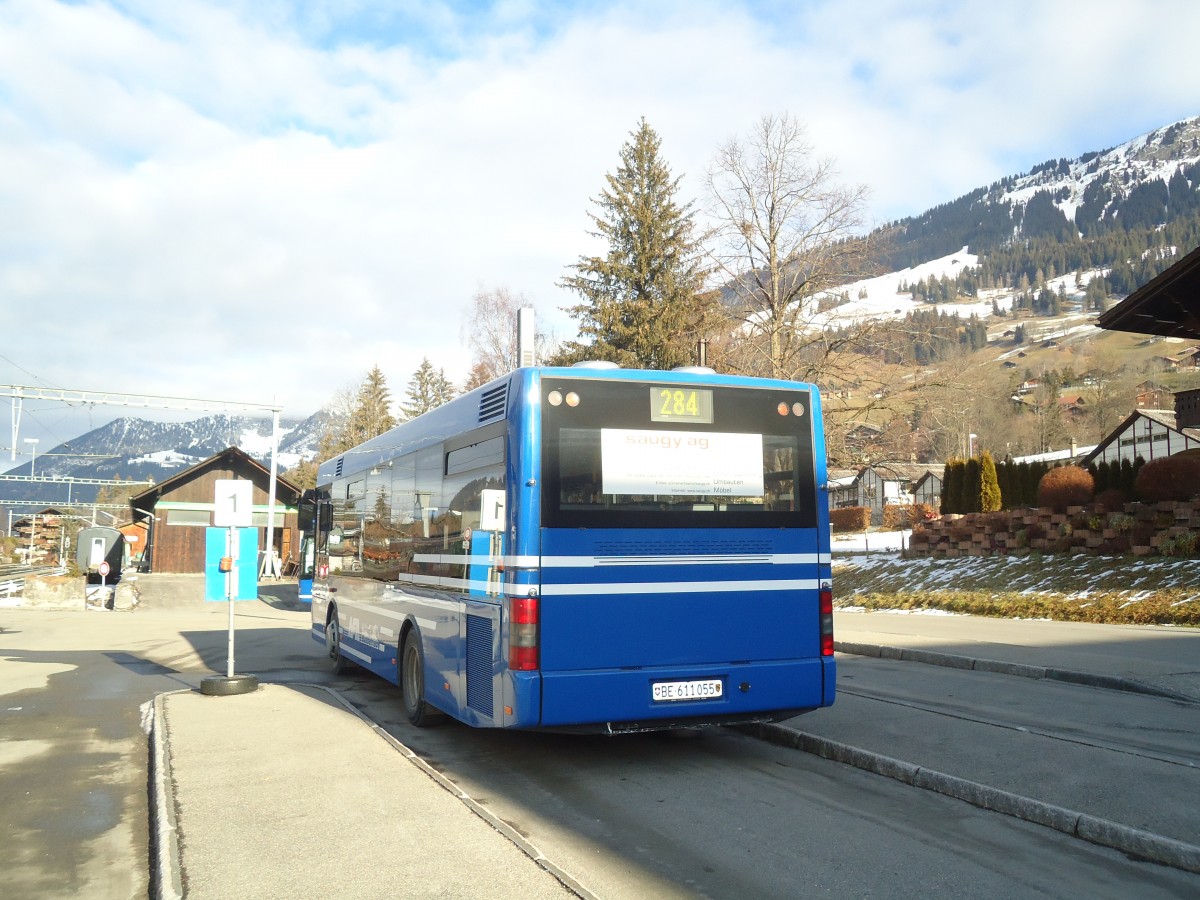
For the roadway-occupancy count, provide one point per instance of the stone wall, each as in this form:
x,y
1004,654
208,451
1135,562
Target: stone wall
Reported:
x,y
1142,529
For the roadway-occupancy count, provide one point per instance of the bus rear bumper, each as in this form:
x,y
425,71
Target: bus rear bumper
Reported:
x,y
624,700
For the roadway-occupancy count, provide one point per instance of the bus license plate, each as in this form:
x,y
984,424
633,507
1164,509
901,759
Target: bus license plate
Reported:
x,y
706,689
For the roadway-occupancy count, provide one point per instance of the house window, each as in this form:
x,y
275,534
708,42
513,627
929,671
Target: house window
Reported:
x,y
191,517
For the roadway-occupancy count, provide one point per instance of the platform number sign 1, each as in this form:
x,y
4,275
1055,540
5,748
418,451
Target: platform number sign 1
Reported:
x,y
234,504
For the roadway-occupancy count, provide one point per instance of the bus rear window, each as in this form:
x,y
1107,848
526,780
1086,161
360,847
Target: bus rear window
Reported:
x,y
609,462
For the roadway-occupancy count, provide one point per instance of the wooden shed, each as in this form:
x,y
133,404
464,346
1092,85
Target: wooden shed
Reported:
x,y
179,510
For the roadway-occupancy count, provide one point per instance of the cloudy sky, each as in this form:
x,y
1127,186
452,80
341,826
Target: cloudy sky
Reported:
x,y
259,200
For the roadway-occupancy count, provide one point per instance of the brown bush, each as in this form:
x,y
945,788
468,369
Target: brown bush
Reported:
x,y
896,516
1168,478
922,512
1111,500
1065,486
850,518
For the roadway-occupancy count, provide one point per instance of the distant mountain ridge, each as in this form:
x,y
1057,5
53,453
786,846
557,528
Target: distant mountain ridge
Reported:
x,y
141,450
1145,182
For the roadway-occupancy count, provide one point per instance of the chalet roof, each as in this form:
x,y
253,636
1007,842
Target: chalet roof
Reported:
x,y
1167,304
47,511
1164,417
230,457
926,477
901,471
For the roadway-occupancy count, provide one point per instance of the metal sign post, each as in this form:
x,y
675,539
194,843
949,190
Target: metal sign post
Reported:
x,y
227,563
233,508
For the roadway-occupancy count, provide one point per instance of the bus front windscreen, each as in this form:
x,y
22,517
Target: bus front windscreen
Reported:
x,y
636,455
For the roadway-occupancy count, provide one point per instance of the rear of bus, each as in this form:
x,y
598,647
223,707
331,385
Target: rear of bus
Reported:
x,y
682,549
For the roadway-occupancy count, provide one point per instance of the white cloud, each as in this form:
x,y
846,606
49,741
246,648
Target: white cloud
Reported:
x,y
257,201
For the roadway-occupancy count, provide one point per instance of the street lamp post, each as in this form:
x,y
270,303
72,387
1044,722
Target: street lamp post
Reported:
x,y
32,453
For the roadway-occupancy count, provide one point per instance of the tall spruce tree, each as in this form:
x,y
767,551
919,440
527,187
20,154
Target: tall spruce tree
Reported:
x,y
427,389
643,303
372,415
360,416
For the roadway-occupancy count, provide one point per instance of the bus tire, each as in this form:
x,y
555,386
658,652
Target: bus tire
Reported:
x,y
412,682
338,663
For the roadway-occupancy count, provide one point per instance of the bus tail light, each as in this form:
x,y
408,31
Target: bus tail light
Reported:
x,y
825,599
523,634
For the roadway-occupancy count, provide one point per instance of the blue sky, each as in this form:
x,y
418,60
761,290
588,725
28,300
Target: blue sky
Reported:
x,y
260,200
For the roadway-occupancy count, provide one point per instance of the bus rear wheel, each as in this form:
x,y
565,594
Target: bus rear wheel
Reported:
x,y
338,663
412,683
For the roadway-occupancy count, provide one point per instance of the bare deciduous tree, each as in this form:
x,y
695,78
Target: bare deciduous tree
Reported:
x,y
491,334
786,236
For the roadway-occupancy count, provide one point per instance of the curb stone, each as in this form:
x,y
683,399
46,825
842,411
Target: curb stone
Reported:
x,y
1093,829
954,661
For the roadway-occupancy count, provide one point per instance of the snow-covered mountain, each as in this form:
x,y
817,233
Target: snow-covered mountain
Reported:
x,y
1144,182
139,449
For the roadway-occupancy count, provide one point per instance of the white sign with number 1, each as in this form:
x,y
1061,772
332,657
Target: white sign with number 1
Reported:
x,y
234,504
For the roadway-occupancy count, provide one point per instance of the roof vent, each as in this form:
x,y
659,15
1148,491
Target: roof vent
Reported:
x,y
337,472
695,370
493,402
595,364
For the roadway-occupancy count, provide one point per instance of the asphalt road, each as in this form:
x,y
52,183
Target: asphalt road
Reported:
x,y
74,760
720,814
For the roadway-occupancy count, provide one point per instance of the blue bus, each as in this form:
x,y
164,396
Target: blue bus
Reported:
x,y
308,547
586,549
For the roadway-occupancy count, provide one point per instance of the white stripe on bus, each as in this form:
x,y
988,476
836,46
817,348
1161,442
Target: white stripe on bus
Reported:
x,y
679,559
680,587
350,651
588,562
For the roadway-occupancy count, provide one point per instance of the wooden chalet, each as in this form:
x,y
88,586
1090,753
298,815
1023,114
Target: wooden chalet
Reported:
x,y
179,509
887,484
43,536
928,489
1152,395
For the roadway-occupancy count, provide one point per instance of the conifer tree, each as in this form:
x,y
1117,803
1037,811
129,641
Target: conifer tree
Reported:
x,y
363,415
427,389
643,304
990,498
372,415
971,489
947,476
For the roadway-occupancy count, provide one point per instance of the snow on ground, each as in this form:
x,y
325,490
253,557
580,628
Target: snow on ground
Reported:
x,y
872,542
168,459
259,445
882,299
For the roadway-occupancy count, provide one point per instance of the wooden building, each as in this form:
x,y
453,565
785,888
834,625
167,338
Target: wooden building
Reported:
x,y
179,510
1150,434
43,538
894,484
